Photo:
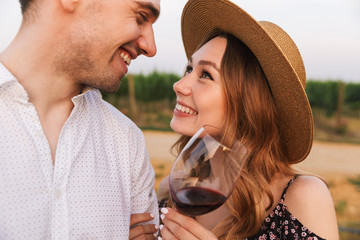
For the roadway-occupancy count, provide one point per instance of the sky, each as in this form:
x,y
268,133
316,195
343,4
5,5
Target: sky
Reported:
x,y
327,33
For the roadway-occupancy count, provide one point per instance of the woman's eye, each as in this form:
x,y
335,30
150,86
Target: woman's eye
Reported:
x,y
207,75
188,70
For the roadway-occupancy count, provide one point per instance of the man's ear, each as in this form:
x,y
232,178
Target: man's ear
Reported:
x,y
69,5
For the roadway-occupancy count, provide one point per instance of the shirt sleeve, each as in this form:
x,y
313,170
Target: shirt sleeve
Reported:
x,y
143,196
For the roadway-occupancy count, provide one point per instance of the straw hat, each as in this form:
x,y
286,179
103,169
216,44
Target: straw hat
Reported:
x,y
277,54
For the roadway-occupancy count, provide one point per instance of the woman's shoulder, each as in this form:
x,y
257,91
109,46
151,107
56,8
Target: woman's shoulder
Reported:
x,y
309,200
307,185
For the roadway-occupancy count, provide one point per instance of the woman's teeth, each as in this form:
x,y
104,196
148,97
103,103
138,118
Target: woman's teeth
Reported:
x,y
185,109
126,58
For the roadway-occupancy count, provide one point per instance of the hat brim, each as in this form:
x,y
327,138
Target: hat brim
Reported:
x,y
202,17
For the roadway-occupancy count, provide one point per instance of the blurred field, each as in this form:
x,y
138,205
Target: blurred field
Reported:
x,y
337,163
149,101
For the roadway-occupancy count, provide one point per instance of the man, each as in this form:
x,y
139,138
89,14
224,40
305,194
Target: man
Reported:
x,y
71,165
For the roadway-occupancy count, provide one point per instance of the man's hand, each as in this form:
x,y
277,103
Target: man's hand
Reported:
x,y
142,232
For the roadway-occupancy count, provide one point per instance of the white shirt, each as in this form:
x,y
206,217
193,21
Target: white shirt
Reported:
x,y
102,173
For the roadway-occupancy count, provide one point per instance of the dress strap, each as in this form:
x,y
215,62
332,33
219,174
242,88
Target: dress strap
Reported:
x,y
286,188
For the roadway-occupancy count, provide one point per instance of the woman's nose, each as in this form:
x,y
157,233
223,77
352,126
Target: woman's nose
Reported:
x,y
183,86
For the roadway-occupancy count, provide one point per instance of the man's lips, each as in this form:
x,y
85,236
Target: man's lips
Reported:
x,y
126,57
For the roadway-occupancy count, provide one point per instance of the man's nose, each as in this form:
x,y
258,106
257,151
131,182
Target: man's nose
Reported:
x,y
146,43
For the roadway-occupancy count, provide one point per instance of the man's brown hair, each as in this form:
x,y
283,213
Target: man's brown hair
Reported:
x,y
24,4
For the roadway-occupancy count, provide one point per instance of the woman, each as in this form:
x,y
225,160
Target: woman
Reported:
x,y
248,78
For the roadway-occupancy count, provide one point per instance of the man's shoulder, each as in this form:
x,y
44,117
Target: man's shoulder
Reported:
x,y
107,112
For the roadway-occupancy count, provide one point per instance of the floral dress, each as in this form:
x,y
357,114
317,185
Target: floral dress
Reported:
x,y
281,224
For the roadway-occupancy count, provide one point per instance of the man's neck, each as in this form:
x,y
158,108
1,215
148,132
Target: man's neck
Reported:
x,y
31,62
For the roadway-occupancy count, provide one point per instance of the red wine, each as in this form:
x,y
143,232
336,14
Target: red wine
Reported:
x,y
194,201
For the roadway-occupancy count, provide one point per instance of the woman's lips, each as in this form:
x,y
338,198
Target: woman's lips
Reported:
x,y
185,109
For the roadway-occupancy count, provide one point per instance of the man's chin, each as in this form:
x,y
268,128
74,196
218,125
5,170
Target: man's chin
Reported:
x,y
110,89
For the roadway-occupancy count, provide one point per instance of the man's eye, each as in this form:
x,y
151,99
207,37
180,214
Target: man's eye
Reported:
x,y
142,18
207,75
188,70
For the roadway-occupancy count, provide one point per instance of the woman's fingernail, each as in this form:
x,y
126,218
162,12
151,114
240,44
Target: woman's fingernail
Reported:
x,y
161,226
159,238
152,215
162,216
164,210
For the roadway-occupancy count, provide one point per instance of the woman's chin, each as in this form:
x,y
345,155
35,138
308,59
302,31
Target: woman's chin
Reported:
x,y
180,128
174,126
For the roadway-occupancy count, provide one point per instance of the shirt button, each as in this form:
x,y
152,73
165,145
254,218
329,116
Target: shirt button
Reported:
x,y
58,194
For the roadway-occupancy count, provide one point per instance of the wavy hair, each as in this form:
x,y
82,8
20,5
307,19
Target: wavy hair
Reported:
x,y
251,117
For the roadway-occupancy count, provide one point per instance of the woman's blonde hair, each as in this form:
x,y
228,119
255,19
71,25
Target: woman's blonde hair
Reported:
x,y
251,117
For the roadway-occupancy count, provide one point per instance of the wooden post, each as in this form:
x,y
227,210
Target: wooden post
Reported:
x,y
340,105
132,100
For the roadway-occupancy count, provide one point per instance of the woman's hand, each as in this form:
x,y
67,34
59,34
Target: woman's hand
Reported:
x,y
140,232
178,226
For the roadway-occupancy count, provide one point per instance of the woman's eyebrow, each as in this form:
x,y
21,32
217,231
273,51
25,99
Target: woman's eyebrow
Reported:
x,y
212,64
205,62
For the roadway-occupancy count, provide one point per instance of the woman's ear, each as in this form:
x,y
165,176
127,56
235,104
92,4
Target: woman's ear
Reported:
x,y
69,5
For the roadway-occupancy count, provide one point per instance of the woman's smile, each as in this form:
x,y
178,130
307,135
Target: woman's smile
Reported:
x,y
184,109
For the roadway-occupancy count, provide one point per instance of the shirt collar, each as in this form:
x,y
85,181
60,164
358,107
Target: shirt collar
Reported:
x,y
11,85
86,90
5,75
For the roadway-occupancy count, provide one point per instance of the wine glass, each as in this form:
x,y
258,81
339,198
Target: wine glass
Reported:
x,y
204,173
